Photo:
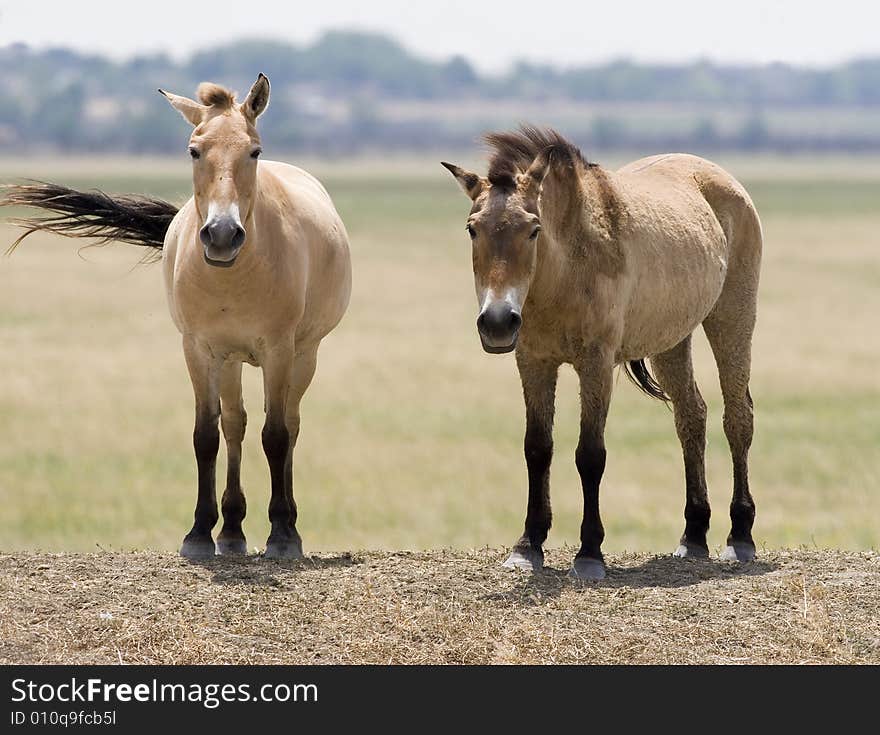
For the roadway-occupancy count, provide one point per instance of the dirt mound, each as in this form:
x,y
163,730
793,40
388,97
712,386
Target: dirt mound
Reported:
x,y
437,607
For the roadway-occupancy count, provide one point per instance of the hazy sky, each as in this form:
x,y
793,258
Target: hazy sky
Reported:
x,y
491,33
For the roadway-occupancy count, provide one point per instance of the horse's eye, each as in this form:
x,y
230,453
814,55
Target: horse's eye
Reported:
x,y
535,232
194,153
256,152
471,231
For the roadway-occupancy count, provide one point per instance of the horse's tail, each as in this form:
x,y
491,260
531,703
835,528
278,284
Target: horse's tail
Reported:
x,y
637,371
138,220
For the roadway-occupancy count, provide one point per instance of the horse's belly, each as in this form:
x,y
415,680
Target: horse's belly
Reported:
x,y
669,304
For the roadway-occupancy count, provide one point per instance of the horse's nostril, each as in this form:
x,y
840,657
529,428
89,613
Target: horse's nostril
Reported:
x,y
223,233
238,237
499,319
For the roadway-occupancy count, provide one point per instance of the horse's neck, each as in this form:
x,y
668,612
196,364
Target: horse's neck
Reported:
x,y
574,206
580,218
562,216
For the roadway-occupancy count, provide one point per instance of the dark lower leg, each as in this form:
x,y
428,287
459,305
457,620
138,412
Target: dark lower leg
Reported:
x,y
538,448
595,376
282,508
691,426
730,335
674,370
742,509
590,461
233,420
203,369
539,392
206,442
233,503
234,507
738,424
696,524
528,552
286,382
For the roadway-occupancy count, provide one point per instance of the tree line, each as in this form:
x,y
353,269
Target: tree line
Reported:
x,y
338,95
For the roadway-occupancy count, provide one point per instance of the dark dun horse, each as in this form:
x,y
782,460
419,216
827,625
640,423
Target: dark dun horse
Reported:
x,y
576,264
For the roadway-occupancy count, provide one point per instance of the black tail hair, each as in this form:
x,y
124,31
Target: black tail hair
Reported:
x,y
637,371
138,220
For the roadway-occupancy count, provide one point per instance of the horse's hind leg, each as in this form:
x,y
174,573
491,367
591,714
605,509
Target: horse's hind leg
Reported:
x,y
286,382
674,371
233,420
729,330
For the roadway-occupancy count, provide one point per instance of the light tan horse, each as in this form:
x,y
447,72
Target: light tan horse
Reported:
x,y
575,264
257,270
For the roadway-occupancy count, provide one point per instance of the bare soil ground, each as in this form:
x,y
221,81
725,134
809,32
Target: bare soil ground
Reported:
x,y
454,607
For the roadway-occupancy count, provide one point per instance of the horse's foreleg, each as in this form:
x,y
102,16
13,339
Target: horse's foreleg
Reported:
x,y
284,541
233,420
539,391
674,371
595,373
203,370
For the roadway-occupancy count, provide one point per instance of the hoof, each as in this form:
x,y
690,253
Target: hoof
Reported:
x,y
591,570
739,551
530,560
198,548
232,546
691,551
286,549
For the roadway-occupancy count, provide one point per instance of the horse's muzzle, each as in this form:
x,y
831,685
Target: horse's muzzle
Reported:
x,y
498,325
222,238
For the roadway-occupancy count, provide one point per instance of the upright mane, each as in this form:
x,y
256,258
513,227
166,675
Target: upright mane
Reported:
x,y
214,95
514,151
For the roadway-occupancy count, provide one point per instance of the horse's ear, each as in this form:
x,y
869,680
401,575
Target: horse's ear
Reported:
x,y
257,99
192,111
530,182
472,184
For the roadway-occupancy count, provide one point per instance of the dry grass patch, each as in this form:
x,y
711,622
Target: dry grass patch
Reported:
x,y
451,607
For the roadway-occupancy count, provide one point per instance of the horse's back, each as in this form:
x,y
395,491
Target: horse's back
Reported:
x,y
674,165
692,233
685,180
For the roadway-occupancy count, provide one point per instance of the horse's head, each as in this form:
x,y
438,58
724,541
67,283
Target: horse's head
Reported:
x,y
503,225
224,147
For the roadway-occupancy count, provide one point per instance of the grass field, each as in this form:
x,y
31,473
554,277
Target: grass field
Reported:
x,y
411,434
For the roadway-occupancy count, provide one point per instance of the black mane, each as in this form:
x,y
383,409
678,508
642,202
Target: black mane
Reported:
x,y
514,151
